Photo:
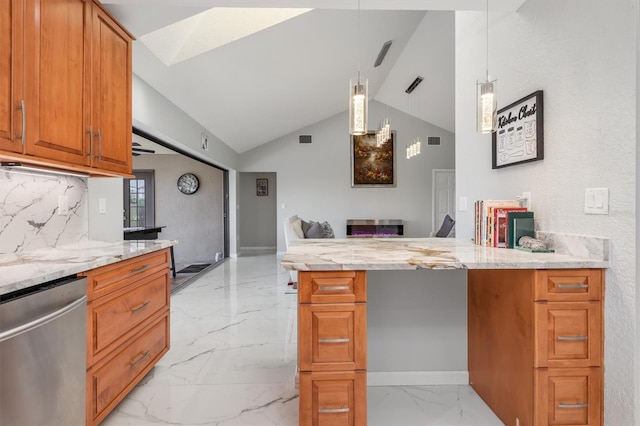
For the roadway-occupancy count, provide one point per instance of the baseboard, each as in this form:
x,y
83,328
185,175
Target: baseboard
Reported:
x,y
417,378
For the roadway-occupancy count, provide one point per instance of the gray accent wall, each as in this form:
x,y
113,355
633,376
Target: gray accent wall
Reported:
x,y
314,180
196,220
257,215
582,53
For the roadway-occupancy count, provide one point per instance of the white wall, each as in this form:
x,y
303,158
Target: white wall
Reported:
x,y
314,180
195,220
257,215
582,53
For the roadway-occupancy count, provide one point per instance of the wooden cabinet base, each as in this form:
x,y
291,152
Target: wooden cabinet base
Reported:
x,y
332,399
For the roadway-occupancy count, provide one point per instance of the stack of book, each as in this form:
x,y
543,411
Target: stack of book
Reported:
x,y
500,223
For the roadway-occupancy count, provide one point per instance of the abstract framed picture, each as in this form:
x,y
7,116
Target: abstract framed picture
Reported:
x,y
262,187
373,164
520,135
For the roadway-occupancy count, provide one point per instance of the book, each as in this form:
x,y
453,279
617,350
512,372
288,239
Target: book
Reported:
x,y
500,224
522,226
486,218
511,217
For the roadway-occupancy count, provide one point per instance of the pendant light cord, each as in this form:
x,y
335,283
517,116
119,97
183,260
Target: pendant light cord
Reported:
x,y
360,41
487,13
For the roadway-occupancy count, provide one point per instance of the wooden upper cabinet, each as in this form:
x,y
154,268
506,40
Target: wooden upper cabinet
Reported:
x,y
11,74
110,93
56,57
65,85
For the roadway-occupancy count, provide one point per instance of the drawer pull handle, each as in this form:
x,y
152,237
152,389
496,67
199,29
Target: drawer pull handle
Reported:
x,y
141,307
573,338
333,410
332,287
140,268
576,405
341,340
573,286
144,355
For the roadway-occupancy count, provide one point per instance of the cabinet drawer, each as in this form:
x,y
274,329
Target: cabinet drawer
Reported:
x,y
332,286
568,334
332,337
114,318
568,396
331,399
568,285
109,278
111,380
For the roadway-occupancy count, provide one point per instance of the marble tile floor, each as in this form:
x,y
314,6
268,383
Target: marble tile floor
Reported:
x,y
233,358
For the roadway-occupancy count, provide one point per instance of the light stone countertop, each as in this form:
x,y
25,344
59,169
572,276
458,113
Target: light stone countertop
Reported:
x,y
420,253
30,268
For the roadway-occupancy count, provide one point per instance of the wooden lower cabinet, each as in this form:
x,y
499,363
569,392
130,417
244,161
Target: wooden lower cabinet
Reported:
x,y
332,348
333,398
127,328
535,344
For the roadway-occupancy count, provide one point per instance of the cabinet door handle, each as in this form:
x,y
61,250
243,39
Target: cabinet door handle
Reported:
x,y
99,145
573,286
333,410
576,405
139,268
332,287
139,308
573,338
144,355
340,340
90,132
23,108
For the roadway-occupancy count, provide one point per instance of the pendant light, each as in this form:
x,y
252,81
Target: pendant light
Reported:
x,y
358,97
487,99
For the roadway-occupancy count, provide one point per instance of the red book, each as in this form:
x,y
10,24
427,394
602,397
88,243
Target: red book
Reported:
x,y
500,224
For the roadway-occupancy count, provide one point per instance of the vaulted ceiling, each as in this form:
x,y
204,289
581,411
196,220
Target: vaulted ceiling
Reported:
x,y
252,75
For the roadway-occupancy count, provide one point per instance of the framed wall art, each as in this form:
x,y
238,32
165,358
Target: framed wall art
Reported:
x,y
262,187
520,135
373,165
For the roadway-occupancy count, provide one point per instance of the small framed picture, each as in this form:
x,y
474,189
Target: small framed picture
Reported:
x,y
262,187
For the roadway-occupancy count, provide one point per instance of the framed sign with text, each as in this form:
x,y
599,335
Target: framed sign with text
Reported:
x,y
520,135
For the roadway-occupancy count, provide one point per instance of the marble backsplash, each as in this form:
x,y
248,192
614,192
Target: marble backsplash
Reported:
x,y
29,216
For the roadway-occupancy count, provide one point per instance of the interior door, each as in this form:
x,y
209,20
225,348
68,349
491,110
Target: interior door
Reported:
x,y
444,196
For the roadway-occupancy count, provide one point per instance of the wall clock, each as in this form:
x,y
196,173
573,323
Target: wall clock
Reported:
x,y
188,183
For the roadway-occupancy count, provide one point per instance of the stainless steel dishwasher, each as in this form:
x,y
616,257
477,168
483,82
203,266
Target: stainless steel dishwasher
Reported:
x,y
43,354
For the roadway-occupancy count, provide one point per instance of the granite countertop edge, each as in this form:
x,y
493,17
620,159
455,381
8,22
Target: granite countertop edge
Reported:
x,y
421,253
30,268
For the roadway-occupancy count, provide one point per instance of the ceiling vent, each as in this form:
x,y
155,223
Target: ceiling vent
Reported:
x,y
433,140
414,84
382,54
305,138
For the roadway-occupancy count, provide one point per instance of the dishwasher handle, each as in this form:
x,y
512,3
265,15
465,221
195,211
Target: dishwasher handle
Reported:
x,y
24,328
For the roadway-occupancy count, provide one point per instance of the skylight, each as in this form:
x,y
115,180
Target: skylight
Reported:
x,y
211,29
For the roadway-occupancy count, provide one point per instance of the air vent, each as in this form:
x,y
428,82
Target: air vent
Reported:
x,y
305,138
414,84
433,140
382,54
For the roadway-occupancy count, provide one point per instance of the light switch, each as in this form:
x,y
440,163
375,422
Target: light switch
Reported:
x,y
63,205
596,201
462,204
102,205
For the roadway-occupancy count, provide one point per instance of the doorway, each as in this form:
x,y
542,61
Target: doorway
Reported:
x,y
443,197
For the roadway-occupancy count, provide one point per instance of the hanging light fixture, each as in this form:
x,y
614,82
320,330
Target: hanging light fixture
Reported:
x,y
487,100
358,97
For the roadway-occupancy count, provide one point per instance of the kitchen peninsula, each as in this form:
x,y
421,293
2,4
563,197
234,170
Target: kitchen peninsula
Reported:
x,y
534,323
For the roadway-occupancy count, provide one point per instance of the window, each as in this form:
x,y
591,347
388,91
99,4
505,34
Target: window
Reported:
x,y
139,200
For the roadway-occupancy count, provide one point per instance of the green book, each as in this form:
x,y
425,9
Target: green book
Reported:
x,y
522,226
511,217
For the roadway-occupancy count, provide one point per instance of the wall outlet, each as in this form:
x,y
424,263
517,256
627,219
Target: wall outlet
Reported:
x,y
63,205
204,140
102,205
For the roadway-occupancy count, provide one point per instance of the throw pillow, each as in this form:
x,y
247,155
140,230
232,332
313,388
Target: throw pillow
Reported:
x,y
315,231
328,230
447,226
305,226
